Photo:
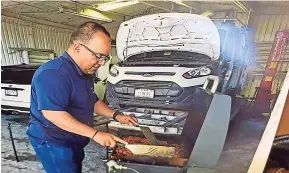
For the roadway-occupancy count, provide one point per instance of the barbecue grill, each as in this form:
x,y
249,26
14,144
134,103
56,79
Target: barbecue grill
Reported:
x,y
200,133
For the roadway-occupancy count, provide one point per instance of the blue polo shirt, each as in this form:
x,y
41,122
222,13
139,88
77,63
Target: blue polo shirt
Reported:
x,y
60,85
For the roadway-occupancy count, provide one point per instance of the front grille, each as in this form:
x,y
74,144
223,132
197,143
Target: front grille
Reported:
x,y
146,101
167,94
162,90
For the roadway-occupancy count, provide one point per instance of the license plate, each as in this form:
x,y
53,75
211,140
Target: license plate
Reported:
x,y
147,93
11,92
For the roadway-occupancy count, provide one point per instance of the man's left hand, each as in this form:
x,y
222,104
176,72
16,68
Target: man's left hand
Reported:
x,y
126,119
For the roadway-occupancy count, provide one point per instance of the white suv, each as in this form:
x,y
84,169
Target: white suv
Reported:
x,y
16,87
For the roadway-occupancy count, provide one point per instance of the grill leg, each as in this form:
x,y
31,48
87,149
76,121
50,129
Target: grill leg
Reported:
x,y
13,145
106,126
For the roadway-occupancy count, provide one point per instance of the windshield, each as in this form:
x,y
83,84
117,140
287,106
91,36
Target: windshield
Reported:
x,y
168,58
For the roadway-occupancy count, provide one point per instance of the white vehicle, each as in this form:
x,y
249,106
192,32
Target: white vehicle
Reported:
x,y
16,87
164,58
170,78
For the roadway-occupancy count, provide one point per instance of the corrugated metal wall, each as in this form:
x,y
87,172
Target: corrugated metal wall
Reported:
x,y
22,34
265,28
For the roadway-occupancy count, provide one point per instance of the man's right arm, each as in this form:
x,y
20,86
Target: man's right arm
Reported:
x,y
67,122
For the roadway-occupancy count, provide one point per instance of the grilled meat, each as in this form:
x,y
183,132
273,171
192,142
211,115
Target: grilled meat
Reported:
x,y
122,151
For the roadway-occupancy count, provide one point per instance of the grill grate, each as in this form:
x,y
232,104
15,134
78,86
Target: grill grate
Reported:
x,y
159,121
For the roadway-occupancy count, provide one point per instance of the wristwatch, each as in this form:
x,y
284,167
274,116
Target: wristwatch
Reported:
x,y
115,114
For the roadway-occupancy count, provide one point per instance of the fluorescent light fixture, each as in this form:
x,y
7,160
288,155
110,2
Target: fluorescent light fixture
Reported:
x,y
88,13
116,4
94,14
208,13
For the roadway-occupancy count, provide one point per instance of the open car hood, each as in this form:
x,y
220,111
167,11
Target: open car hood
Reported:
x,y
168,31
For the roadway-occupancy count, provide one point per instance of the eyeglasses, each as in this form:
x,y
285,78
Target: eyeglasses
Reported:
x,y
99,56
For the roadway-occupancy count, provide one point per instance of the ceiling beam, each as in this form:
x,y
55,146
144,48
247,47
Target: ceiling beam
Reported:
x,y
29,5
83,10
15,5
37,20
34,19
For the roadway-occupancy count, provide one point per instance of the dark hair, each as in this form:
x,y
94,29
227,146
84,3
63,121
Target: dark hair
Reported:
x,y
86,30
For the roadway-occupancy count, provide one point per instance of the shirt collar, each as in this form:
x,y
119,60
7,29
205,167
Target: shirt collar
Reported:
x,y
68,57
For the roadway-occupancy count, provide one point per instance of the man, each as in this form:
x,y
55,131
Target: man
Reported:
x,y
63,102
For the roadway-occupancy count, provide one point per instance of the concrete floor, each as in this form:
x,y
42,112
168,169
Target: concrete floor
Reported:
x,y
241,143
28,161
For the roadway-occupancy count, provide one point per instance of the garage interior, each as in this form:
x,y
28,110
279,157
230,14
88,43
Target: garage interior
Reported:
x,y
34,32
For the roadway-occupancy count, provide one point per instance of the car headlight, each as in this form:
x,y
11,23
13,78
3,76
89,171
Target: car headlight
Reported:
x,y
113,71
197,73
